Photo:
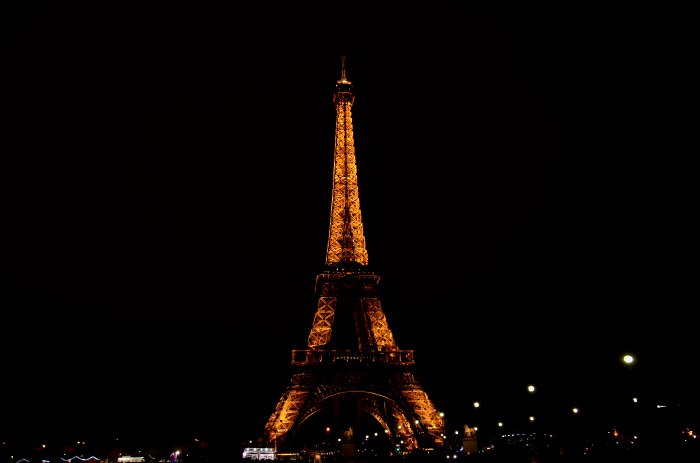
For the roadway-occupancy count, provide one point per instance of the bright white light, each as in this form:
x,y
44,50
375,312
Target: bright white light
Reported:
x,y
531,388
628,359
476,404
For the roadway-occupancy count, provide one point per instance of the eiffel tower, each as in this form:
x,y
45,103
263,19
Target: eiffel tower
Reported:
x,y
352,357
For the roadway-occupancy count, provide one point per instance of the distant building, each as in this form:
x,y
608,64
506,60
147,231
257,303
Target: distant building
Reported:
x,y
130,459
469,443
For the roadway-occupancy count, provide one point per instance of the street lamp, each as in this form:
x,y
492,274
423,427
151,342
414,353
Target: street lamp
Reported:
x,y
629,360
532,406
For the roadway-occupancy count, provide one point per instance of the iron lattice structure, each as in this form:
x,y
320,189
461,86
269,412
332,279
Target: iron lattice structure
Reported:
x,y
351,349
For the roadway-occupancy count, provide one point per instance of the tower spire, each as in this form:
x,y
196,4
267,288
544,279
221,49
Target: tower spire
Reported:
x,y
343,78
346,239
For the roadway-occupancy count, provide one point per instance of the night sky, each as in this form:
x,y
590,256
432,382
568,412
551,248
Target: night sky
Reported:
x,y
166,178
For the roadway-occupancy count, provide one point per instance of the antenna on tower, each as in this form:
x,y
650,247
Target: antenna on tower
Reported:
x,y
343,79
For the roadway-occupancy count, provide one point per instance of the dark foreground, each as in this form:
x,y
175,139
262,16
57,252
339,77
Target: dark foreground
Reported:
x,y
606,455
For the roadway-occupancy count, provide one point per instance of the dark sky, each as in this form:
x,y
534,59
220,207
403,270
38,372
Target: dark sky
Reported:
x,y
524,185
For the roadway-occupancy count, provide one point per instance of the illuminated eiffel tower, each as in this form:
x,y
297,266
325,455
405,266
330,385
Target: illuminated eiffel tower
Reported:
x,y
352,357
